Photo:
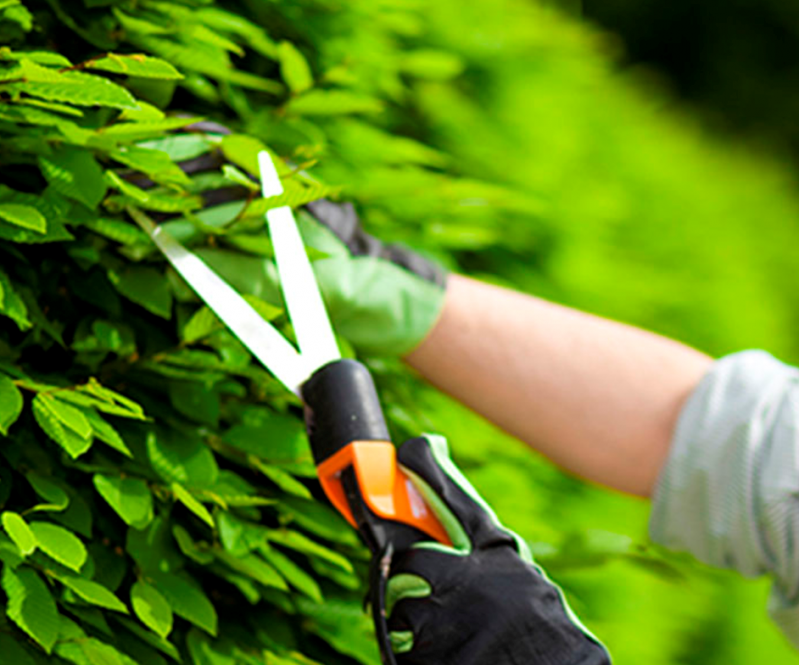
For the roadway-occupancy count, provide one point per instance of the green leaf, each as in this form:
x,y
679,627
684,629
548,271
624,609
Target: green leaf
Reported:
x,y
195,400
19,531
31,606
27,217
76,174
432,64
282,479
139,131
11,303
10,400
278,439
92,592
139,65
333,102
152,608
146,287
60,544
294,68
318,518
180,147
189,547
68,415
183,495
301,543
155,164
50,414
106,433
254,567
76,88
238,178
187,600
57,499
130,498
344,626
182,458
293,574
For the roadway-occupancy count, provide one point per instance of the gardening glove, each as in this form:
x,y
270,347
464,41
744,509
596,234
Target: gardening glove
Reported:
x,y
481,601
384,299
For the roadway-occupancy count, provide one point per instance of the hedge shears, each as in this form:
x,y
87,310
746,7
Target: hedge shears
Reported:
x,y
352,450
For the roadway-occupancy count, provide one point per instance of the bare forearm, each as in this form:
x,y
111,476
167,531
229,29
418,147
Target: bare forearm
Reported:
x,y
597,397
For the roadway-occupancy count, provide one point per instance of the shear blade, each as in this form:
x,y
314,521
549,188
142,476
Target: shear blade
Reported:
x,y
259,336
304,302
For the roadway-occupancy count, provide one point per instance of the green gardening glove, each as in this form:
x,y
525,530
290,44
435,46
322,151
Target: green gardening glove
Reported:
x,y
384,299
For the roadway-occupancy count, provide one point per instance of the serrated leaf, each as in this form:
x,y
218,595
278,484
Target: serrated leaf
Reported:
x,y
76,174
139,131
93,593
138,65
77,88
31,606
294,68
152,608
187,600
46,412
130,498
10,398
60,544
24,216
185,497
19,531
117,230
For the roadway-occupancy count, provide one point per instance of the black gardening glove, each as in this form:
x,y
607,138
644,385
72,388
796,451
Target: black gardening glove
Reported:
x,y
481,601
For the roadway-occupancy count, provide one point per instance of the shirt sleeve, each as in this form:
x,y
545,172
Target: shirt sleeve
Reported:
x,y
729,492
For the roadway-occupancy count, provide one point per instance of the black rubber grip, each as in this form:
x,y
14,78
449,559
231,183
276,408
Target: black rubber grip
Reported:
x,y
341,406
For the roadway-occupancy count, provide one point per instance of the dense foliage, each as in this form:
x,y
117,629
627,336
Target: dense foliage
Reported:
x,y
156,487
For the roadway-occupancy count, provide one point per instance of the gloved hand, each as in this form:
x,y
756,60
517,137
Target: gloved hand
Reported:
x,y
482,601
383,298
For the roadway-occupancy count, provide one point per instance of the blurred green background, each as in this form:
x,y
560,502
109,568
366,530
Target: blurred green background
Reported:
x,y
656,195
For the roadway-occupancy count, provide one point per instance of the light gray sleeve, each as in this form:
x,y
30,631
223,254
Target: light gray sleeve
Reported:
x,y
729,492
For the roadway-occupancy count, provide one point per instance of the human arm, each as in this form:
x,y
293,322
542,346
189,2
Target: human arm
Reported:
x,y
598,397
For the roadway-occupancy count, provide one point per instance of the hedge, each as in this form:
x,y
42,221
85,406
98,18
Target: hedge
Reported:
x,y
157,492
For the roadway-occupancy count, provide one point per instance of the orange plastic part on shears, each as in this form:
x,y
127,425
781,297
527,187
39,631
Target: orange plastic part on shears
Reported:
x,y
387,491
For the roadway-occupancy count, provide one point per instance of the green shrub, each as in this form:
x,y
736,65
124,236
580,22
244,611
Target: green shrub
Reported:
x,y
157,489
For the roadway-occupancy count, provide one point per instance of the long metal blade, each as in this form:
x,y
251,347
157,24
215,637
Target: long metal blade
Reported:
x,y
259,336
306,308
